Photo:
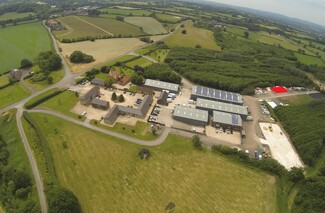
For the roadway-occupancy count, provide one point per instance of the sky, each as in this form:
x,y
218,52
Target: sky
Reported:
x,y
309,10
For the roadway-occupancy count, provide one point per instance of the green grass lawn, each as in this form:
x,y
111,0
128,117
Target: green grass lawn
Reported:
x,y
121,59
159,55
145,50
56,75
12,94
306,59
17,155
167,18
126,12
14,15
140,130
113,177
143,62
63,103
4,80
15,47
83,26
297,99
148,24
194,36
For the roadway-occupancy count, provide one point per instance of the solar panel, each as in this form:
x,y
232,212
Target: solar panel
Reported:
x,y
223,95
234,119
217,94
229,96
211,92
198,90
235,97
204,91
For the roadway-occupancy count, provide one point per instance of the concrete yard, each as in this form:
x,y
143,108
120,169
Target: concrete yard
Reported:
x,y
234,138
281,148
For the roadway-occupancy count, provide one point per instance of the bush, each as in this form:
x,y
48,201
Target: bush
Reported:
x,y
296,174
37,77
80,57
196,140
22,192
25,63
62,200
144,154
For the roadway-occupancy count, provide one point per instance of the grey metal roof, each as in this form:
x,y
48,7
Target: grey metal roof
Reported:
x,y
227,118
98,81
220,106
163,96
161,85
191,113
89,95
99,102
217,94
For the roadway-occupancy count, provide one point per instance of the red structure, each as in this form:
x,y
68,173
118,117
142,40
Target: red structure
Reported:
x,y
279,89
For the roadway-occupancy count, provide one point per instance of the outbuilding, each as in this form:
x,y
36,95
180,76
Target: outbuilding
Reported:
x,y
191,116
226,120
99,104
98,82
88,97
162,99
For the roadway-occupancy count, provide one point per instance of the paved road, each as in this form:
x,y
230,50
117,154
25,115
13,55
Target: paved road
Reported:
x,y
156,142
37,176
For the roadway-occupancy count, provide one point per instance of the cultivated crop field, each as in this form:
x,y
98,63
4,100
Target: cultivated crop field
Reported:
x,y
14,15
149,25
22,41
102,50
134,12
167,18
113,177
83,26
193,37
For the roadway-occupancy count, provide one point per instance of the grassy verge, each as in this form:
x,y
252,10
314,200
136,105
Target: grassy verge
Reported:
x,y
140,130
63,103
196,181
42,97
12,94
56,75
17,161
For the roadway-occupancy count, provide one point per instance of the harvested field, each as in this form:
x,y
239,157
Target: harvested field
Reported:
x,y
149,25
102,50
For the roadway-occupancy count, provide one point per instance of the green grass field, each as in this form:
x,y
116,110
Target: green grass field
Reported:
x,y
62,103
83,26
297,99
126,12
159,55
12,94
17,155
143,62
15,47
148,24
114,178
167,18
306,59
194,36
140,130
4,80
37,86
14,15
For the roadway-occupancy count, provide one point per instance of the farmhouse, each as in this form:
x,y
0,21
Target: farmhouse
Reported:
x,y
88,97
227,120
211,106
162,99
145,90
191,116
140,112
99,104
116,75
124,80
15,74
98,82
215,94
161,85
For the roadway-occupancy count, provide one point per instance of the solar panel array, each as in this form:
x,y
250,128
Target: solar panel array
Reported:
x,y
227,118
217,94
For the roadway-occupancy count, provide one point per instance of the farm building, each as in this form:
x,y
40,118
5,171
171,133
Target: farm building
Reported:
x,y
191,116
98,82
217,95
15,74
211,106
88,97
227,120
116,75
124,80
141,112
162,99
99,104
161,85
145,90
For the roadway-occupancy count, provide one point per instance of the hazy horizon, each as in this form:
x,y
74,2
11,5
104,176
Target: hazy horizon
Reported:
x,y
308,10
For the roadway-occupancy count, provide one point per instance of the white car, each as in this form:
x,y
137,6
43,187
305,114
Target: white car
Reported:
x,y
84,113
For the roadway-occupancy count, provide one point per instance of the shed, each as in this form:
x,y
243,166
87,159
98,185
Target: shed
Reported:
x,y
162,99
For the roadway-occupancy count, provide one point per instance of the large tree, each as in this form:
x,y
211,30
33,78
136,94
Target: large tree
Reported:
x,y
64,201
